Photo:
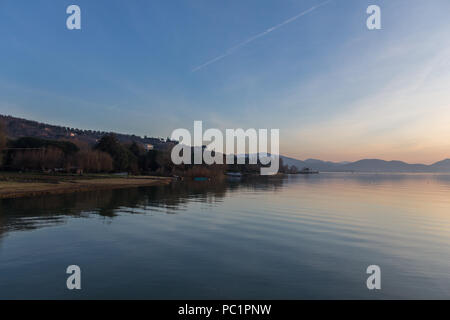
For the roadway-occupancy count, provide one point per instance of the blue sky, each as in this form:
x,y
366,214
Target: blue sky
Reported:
x,y
336,90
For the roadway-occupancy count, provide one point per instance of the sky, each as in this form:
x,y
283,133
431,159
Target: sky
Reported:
x,y
336,90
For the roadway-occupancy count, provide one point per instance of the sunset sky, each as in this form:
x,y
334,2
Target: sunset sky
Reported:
x,y
336,90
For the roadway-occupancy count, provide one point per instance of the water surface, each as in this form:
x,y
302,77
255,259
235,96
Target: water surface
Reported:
x,y
300,237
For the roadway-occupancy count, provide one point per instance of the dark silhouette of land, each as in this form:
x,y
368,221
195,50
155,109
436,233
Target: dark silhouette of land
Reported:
x,y
107,151
17,128
368,165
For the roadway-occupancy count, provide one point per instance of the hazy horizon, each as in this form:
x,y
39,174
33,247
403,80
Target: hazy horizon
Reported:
x,y
304,158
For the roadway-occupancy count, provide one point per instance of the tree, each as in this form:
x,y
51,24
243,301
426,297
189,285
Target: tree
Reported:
x,y
134,148
68,148
2,141
283,168
50,158
123,158
94,161
149,161
293,169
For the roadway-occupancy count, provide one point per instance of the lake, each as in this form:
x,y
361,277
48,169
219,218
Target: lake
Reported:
x,y
298,237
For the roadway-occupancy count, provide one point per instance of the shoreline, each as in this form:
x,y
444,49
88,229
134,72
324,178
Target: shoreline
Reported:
x,y
29,185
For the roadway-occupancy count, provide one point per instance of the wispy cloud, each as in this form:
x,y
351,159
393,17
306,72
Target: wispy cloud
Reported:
x,y
259,35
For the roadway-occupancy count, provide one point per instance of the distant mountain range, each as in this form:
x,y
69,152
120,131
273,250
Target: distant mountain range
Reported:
x,y
368,165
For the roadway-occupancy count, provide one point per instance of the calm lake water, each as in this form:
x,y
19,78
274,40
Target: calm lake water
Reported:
x,y
300,237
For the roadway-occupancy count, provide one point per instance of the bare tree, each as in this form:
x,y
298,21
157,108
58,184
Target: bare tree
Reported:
x,y
94,161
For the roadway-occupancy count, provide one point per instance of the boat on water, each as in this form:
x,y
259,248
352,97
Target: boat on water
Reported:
x,y
201,179
234,174
307,171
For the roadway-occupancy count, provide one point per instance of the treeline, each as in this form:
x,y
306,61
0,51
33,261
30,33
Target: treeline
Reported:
x,y
106,156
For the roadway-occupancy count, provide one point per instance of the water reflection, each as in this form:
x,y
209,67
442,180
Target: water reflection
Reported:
x,y
299,237
48,210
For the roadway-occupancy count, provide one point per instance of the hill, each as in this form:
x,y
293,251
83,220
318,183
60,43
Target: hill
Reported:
x,y
17,128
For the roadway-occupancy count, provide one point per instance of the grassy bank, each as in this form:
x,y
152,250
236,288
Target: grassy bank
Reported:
x,y
16,185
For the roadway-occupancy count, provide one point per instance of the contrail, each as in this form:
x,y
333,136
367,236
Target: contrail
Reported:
x,y
262,34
